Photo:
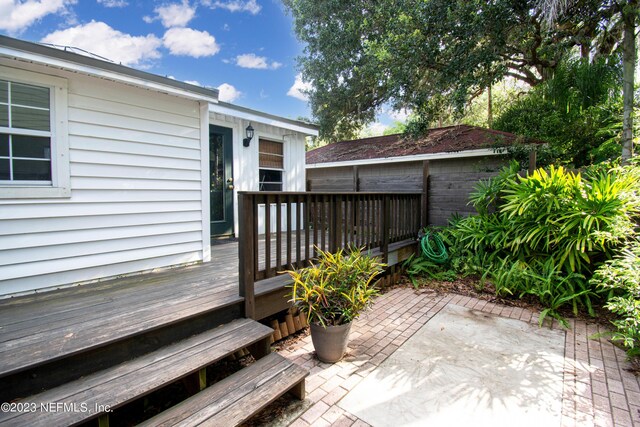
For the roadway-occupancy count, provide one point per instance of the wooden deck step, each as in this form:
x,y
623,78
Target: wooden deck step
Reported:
x,y
238,397
87,397
35,340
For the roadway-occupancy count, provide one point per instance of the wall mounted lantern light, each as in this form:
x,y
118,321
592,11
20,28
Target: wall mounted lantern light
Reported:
x,y
249,133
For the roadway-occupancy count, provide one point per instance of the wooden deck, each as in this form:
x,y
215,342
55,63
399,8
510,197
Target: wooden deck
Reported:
x,y
55,343
49,338
52,325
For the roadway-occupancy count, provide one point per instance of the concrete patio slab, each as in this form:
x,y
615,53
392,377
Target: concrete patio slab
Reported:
x,y
599,388
466,367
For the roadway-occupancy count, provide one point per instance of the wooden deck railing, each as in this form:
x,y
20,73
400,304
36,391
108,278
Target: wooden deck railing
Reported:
x,y
280,230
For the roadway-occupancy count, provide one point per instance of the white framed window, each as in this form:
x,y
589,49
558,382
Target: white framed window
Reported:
x,y
34,149
271,163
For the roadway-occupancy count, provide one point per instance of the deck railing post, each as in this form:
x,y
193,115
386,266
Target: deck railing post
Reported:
x,y
386,221
246,252
338,223
424,218
333,223
328,220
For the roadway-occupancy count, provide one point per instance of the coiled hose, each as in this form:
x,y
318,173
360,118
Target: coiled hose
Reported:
x,y
433,247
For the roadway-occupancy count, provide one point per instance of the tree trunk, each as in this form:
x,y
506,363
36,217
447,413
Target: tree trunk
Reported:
x,y
489,108
629,61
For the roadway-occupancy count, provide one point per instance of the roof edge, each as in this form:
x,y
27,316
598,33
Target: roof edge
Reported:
x,y
86,61
413,158
251,114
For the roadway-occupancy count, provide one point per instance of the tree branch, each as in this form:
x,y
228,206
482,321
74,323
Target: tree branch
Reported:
x,y
530,81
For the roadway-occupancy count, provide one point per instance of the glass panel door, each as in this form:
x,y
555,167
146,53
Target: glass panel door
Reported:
x,y
221,180
217,181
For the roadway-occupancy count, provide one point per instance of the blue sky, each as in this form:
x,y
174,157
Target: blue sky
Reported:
x,y
245,48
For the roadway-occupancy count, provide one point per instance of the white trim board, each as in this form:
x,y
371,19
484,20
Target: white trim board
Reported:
x,y
401,159
19,55
257,117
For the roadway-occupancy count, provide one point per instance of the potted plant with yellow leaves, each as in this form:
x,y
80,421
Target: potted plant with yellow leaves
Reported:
x,y
332,292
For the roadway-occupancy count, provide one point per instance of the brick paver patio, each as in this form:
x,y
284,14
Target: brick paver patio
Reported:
x,y
599,389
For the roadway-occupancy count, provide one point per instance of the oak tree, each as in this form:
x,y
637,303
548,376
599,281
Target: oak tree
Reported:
x,y
426,55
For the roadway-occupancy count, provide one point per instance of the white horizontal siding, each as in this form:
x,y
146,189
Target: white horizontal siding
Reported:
x,y
145,260
42,240
130,147
137,110
67,223
111,183
96,247
130,135
123,121
124,171
98,210
135,160
136,192
132,97
85,266
135,195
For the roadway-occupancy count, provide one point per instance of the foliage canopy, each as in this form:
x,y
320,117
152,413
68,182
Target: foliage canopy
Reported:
x,y
578,112
427,55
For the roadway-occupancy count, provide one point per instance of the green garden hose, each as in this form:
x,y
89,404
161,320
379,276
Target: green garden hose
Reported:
x,y
433,247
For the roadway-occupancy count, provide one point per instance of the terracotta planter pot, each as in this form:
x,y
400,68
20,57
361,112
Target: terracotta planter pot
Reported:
x,y
330,342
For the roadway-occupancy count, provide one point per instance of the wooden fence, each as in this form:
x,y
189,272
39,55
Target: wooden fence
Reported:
x,y
295,224
445,183
445,190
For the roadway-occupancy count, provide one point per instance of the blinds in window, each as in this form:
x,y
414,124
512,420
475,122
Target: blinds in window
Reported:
x,y
271,154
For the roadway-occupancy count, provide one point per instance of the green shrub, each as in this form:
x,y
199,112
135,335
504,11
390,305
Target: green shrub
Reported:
x,y
621,275
337,288
548,232
546,282
574,220
419,266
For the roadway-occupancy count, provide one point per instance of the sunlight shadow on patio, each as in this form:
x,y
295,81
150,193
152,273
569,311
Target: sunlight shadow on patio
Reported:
x,y
465,367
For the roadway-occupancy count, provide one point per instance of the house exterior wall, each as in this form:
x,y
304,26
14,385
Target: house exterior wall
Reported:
x,y
136,162
245,159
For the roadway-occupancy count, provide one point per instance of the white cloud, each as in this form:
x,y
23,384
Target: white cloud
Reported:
x,y
228,93
250,6
113,3
193,82
173,15
299,88
250,60
101,39
189,42
16,15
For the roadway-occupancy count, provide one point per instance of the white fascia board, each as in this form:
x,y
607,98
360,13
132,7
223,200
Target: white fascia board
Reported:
x,y
255,117
413,158
103,74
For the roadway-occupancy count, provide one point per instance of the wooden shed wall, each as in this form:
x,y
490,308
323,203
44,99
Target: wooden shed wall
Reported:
x,y
136,191
450,181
